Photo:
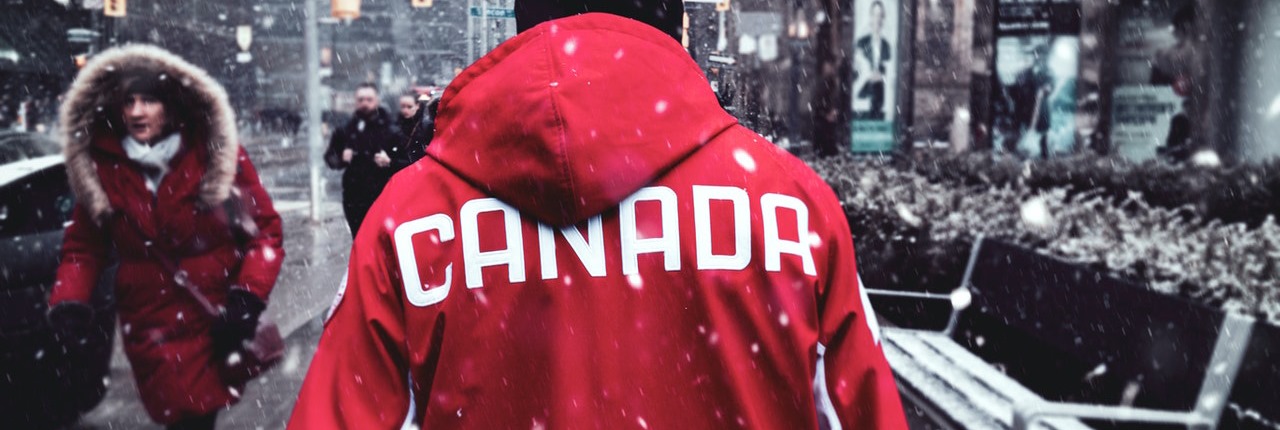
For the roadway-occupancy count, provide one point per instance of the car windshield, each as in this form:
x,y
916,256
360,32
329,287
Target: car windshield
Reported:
x,y
16,146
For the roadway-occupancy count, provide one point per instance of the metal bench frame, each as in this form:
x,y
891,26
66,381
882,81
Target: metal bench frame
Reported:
x,y
1228,354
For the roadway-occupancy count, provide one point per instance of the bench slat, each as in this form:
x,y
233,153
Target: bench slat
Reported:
x,y
939,393
961,384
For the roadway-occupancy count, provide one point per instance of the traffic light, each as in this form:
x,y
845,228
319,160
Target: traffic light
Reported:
x,y
114,8
421,3
722,6
346,9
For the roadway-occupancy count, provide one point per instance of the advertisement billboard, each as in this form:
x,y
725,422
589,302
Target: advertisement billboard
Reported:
x,y
1037,57
875,75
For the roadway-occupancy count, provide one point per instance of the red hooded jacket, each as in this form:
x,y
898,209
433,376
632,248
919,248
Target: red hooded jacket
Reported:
x,y
594,243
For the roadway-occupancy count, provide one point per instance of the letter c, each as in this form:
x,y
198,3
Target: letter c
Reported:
x,y
419,294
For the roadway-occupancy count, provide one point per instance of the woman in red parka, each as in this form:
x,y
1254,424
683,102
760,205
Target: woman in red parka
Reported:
x,y
152,155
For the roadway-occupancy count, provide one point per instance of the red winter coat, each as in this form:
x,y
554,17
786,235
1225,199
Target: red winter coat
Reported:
x,y
698,270
166,332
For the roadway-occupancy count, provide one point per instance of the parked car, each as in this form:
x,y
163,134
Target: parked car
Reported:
x,y
16,146
43,384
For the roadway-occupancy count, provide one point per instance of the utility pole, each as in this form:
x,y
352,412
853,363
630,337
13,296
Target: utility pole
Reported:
x,y
471,35
312,57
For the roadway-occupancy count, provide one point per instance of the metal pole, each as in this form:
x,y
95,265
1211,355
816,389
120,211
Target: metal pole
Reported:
x,y
484,23
312,58
471,33
908,294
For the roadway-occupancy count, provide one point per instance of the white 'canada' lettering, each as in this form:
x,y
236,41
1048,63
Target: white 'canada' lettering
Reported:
x,y
590,249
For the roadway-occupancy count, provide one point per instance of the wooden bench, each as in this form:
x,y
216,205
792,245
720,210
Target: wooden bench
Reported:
x,y
1150,349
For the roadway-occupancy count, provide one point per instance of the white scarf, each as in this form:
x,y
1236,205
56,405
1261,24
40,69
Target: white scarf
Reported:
x,y
153,158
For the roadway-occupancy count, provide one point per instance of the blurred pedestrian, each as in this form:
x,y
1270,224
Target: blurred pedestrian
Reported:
x,y
153,157
364,148
604,247
417,123
1182,67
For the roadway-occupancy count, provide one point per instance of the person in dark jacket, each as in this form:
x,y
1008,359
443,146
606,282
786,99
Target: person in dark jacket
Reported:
x,y
152,157
365,147
417,127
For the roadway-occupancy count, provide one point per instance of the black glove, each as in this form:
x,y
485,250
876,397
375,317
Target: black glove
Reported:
x,y
71,322
238,322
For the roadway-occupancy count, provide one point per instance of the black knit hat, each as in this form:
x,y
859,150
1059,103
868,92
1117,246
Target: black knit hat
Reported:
x,y
156,85
665,15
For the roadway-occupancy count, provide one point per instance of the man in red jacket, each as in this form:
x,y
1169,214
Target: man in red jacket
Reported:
x,y
554,262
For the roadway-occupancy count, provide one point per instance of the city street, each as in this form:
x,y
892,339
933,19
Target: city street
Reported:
x,y
315,261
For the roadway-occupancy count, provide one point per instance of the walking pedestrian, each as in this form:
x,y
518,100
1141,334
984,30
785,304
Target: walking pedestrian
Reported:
x,y
604,247
153,158
364,148
417,125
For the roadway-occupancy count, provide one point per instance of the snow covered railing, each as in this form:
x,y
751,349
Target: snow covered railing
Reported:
x,y
1156,343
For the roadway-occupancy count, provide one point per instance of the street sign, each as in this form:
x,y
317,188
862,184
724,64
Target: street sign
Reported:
x,y
722,59
768,47
494,12
81,35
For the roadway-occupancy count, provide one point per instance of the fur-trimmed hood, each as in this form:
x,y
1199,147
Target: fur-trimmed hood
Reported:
x,y
89,104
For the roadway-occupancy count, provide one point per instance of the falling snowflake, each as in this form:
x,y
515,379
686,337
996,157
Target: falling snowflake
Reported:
x,y
1035,213
815,240
910,218
635,281
745,160
1206,158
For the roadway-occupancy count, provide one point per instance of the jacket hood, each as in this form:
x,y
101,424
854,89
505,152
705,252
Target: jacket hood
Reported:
x,y
568,118
85,113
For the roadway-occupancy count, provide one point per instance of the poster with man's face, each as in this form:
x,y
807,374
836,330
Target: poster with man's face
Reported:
x,y
1154,70
1037,62
875,74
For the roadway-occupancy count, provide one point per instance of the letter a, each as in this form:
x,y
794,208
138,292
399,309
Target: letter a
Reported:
x,y
774,246
633,245
473,259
